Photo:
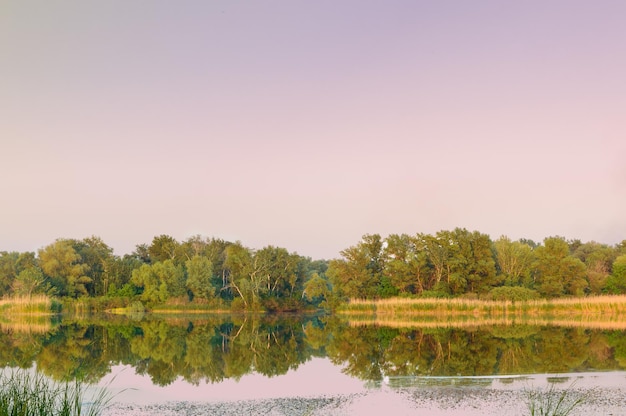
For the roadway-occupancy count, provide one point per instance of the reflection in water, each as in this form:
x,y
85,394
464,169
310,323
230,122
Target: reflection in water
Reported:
x,y
216,348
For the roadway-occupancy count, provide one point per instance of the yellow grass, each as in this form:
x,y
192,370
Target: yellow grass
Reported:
x,y
17,305
598,307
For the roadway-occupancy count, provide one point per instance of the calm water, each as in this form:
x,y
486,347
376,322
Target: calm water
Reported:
x,y
150,362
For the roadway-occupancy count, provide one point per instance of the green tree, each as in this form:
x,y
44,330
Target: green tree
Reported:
x,y
30,281
62,264
316,289
97,257
472,267
598,259
438,251
8,270
163,247
558,273
237,267
616,283
159,281
359,273
199,274
515,260
405,264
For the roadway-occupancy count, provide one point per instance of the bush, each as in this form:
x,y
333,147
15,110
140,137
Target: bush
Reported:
x,y
237,305
513,293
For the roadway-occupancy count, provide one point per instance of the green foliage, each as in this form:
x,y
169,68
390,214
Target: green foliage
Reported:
x,y
557,273
514,293
159,281
62,264
29,282
213,271
316,289
199,276
514,260
616,283
163,247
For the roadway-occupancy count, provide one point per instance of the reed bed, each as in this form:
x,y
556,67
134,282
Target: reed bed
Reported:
x,y
613,307
24,393
33,305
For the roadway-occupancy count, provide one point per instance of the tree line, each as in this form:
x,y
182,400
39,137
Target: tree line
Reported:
x,y
464,263
208,271
222,274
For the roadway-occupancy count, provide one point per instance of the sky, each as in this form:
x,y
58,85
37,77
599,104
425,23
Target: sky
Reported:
x,y
307,124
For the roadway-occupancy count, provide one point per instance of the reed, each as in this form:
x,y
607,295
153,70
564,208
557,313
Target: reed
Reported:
x,y
553,402
24,393
598,306
17,305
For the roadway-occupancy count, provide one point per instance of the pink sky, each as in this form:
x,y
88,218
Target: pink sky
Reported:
x,y
306,124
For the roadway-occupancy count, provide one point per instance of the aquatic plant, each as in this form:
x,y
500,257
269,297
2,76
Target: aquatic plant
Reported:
x,y
27,393
553,401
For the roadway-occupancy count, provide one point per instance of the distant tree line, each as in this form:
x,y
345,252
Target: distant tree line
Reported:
x,y
221,274
198,270
470,264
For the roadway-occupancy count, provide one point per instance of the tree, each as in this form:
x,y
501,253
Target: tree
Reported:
x,y
437,249
558,273
515,260
62,264
199,274
8,270
472,267
316,289
159,281
405,264
236,270
616,283
29,282
97,257
163,247
359,273
598,259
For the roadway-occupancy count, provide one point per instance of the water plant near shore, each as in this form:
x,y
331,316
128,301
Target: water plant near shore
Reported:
x,y
553,401
26,393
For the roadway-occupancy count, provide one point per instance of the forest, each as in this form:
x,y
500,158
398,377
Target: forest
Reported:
x,y
213,274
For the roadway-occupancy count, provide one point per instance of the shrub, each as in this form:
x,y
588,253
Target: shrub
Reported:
x,y
513,293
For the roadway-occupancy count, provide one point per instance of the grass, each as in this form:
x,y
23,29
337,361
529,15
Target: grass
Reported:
x,y
22,305
552,401
24,393
601,312
598,305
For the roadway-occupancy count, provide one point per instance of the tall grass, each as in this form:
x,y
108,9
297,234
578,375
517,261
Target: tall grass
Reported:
x,y
605,306
17,305
552,401
23,393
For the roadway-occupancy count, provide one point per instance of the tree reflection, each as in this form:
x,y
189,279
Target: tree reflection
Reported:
x,y
212,349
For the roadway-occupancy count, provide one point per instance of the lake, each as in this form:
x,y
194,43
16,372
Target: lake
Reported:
x,y
253,364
